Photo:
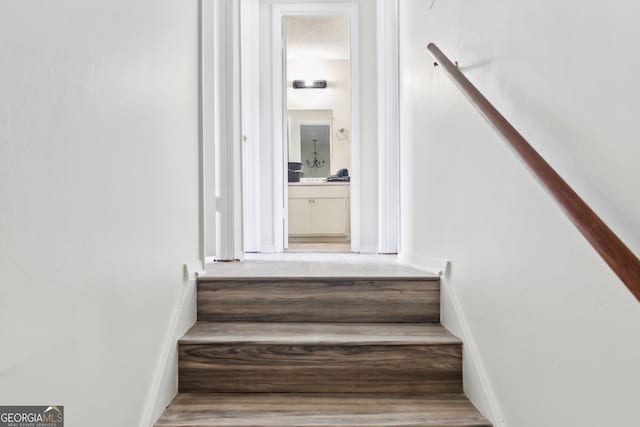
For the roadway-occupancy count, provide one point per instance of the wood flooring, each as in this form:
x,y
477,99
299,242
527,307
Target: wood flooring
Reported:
x,y
300,299
319,410
287,333
314,351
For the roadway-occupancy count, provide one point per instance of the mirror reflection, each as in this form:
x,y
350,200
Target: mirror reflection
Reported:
x,y
310,141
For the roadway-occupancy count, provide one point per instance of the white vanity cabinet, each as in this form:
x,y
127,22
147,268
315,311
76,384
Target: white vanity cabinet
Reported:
x,y
319,209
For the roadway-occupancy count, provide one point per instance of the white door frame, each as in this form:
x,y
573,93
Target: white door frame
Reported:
x,y
220,131
388,126
250,76
228,133
207,132
279,12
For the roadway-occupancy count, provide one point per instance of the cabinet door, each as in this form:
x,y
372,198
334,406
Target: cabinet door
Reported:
x,y
329,216
299,216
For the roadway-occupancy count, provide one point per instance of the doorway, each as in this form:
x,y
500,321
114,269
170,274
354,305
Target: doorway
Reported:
x,y
242,68
318,119
317,122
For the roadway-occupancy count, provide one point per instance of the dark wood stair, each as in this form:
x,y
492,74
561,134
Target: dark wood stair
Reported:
x,y
319,358
319,352
319,299
319,410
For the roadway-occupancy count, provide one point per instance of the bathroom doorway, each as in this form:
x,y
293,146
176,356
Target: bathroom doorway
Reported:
x,y
317,106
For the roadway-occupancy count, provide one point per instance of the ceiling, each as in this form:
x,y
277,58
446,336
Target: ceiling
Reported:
x,y
317,37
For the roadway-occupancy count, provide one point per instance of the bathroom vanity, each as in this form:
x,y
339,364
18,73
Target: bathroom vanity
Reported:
x,y
319,211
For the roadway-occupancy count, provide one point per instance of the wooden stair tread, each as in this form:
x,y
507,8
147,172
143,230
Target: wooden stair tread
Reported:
x,y
320,410
319,333
319,358
320,351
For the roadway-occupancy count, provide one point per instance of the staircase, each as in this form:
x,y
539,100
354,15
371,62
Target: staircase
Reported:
x,y
318,351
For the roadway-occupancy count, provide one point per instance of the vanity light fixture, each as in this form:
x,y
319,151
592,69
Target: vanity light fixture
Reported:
x,y
309,84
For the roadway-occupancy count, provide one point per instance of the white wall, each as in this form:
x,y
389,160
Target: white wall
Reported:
x,y
368,114
555,330
98,198
335,98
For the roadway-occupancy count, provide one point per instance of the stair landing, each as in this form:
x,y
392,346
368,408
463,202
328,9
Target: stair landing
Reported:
x,y
343,265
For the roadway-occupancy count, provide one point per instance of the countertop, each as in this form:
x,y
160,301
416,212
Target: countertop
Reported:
x,y
318,183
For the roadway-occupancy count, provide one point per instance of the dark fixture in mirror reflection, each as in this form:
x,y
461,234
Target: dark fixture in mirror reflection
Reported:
x,y
309,84
317,161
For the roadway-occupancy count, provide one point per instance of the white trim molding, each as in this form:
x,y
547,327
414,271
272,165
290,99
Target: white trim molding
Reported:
x,y
164,384
368,249
250,60
429,264
279,11
477,383
207,132
228,136
388,126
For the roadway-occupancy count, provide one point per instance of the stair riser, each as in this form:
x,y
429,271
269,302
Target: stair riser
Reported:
x,y
299,300
258,368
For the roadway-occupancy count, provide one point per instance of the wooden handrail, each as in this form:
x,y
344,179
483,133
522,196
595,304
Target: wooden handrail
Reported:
x,y
615,253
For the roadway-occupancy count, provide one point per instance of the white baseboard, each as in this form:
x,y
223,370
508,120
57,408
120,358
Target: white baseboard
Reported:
x,y
368,249
457,316
267,249
164,386
439,266
477,383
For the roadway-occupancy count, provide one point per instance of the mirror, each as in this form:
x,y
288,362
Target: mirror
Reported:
x,y
315,150
310,141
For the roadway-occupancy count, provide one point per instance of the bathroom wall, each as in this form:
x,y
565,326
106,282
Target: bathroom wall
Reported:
x,y
336,97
